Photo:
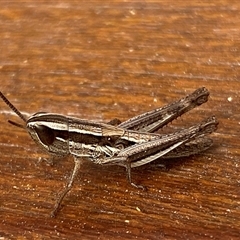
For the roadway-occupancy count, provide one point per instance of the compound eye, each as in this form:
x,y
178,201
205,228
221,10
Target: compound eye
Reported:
x,y
45,134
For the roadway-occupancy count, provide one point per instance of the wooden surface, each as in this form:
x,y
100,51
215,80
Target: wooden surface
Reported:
x,y
100,60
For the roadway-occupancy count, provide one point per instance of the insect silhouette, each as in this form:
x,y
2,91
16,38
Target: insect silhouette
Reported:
x,y
129,144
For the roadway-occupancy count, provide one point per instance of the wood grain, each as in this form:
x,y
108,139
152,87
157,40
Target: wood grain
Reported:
x,y
100,60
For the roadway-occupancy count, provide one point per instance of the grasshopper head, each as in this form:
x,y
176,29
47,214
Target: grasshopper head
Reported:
x,y
49,131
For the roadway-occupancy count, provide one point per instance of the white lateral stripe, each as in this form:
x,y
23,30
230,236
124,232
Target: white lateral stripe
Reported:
x,y
65,127
95,132
52,125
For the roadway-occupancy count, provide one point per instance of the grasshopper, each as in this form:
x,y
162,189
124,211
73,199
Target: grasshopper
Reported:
x,y
130,144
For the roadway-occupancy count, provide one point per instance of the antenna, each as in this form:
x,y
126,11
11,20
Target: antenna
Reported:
x,y
15,110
